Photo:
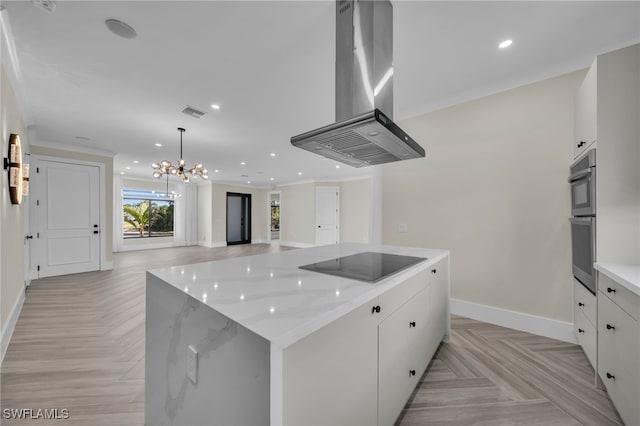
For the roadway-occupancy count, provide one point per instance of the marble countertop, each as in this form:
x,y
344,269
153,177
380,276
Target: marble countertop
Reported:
x,y
627,276
270,296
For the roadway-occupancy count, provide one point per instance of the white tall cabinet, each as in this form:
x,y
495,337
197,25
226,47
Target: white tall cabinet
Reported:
x,y
607,114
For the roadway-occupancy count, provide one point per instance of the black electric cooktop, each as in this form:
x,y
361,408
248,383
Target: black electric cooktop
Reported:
x,y
367,266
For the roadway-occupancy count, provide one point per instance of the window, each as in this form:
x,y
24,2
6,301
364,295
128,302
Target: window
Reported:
x,y
146,214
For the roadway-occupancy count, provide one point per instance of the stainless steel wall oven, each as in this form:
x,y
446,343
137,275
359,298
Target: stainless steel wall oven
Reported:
x,y
583,221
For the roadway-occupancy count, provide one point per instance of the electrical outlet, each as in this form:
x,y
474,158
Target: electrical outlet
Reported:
x,y
192,364
402,227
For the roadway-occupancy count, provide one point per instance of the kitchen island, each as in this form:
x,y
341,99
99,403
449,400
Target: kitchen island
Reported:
x,y
256,340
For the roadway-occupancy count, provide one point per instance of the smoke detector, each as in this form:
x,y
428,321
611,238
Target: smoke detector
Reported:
x,y
192,112
46,5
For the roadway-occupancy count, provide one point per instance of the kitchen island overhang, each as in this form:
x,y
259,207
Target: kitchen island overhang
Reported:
x,y
254,322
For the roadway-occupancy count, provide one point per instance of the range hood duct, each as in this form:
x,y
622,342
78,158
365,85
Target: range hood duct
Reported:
x,y
364,133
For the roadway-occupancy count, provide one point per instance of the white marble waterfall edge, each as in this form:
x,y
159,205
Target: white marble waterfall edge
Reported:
x,y
233,384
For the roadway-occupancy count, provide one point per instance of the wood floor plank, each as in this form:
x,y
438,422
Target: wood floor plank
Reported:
x,y
526,413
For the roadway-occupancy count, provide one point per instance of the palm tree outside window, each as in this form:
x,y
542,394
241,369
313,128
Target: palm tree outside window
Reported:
x,y
146,214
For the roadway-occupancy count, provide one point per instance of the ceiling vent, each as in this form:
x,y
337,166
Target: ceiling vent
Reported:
x,y
46,5
192,112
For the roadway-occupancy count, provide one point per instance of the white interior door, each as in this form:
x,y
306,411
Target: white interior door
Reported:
x,y
327,215
68,211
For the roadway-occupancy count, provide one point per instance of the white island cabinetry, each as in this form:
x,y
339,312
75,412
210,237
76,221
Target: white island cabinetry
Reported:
x,y
619,337
280,345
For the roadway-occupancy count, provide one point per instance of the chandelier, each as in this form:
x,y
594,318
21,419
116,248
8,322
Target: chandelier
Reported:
x,y
166,168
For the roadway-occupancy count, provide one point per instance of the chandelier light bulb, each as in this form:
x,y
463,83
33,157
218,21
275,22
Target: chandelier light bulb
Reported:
x,y
165,167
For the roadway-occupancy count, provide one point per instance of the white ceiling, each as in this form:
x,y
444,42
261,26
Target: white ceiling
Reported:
x,y
270,65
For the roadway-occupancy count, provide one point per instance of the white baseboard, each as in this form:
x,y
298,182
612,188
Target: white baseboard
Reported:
x,y
547,327
212,244
295,244
12,319
260,241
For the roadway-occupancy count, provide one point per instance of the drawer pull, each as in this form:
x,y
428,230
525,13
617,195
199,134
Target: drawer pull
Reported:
x,y
580,304
610,327
412,373
375,310
412,324
580,330
434,271
611,290
611,376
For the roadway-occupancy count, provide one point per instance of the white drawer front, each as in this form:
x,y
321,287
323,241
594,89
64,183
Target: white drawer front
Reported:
x,y
629,302
618,355
586,336
584,301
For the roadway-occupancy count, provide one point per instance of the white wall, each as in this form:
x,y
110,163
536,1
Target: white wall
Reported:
x,y
355,214
298,214
12,279
493,189
298,211
618,157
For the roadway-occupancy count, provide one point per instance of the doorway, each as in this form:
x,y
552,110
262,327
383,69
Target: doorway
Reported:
x,y
65,218
238,218
275,223
327,215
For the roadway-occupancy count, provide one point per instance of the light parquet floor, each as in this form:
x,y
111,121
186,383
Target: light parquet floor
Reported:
x,y
79,345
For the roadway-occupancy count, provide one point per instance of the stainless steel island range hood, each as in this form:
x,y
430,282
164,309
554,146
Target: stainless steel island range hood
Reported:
x,y
364,133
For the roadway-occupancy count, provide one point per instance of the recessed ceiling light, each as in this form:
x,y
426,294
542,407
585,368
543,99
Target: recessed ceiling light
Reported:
x,y
135,162
337,166
505,44
248,181
299,173
128,168
243,163
215,106
121,173
273,154
158,145
271,179
120,28
216,171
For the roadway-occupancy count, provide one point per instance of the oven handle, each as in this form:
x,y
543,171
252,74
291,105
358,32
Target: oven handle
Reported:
x,y
581,220
574,177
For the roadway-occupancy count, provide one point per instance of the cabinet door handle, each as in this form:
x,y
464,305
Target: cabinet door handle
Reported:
x,y
434,271
580,330
375,309
412,373
610,327
580,304
412,324
611,376
611,290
